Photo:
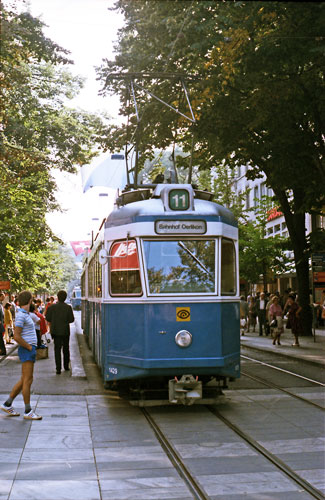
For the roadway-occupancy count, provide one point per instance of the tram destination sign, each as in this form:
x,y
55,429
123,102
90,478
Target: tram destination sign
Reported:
x,y
180,227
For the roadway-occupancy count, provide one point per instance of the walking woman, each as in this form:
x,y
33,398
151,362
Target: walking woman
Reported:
x,y
252,314
275,314
293,318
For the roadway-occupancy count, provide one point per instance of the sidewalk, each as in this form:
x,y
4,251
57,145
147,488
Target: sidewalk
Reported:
x,y
311,349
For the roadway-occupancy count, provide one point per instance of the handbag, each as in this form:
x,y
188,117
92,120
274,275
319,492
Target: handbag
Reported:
x,y
274,323
10,332
42,353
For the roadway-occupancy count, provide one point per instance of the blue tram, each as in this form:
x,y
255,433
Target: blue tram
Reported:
x,y
160,295
75,298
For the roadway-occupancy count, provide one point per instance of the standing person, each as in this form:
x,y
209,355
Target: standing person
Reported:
x,y
49,303
261,313
8,323
243,314
3,350
294,319
275,313
252,314
37,321
59,316
25,336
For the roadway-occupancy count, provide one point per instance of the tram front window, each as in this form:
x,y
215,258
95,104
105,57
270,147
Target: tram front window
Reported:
x,y
181,266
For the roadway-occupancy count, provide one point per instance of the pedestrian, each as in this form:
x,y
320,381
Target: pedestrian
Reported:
x,y
243,314
37,321
25,336
269,301
252,314
261,313
275,315
49,303
59,316
293,318
3,350
8,323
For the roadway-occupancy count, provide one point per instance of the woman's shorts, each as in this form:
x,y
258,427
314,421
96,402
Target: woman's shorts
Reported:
x,y
26,355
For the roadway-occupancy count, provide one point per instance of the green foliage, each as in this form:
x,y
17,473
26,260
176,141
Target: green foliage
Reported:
x,y
38,132
260,255
41,270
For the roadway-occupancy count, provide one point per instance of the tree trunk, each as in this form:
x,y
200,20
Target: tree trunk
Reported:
x,y
296,227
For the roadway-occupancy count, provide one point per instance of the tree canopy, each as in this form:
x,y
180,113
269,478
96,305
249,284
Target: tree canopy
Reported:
x,y
38,133
256,77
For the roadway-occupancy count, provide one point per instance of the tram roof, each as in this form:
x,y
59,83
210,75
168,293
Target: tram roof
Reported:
x,y
152,209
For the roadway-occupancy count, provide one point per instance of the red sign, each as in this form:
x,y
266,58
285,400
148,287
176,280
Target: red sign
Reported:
x,y
124,256
319,277
79,246
4,285
274,213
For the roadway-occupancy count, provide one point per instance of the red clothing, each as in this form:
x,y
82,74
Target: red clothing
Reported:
x,y
42,325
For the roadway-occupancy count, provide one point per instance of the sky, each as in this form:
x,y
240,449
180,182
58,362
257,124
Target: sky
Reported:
x,y
88,30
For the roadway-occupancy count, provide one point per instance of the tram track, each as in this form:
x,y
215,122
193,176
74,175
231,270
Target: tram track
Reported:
x,y
274,386
176,460
314,492
195,488
267,383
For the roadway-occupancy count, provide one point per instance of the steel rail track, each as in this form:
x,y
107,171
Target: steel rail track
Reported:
x,y
197,491
274,386
314,492
282,370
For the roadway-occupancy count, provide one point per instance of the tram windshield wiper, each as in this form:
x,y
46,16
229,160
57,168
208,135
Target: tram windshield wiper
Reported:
x,y
181,244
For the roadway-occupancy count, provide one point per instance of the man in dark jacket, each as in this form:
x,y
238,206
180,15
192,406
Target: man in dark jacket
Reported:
x,y
59,316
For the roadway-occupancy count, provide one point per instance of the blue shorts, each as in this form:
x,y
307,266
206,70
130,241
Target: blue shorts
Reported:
x,y
26,355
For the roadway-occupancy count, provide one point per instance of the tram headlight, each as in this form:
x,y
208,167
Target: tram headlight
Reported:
x,y
183,338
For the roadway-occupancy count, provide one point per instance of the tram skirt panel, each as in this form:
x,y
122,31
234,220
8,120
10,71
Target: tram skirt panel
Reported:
x,y
139,340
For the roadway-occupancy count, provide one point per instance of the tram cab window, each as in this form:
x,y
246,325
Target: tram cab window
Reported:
x,y
124,269
180,266
228,267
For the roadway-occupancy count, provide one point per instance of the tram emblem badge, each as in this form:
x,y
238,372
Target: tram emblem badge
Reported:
x,y
183,314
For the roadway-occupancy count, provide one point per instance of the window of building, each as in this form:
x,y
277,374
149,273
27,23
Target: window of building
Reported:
x,y
256,198
228,267
262,187
125,269
247,198
277,228
269,230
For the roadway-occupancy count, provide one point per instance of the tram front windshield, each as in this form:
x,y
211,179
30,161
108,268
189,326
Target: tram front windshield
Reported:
x,y
182,266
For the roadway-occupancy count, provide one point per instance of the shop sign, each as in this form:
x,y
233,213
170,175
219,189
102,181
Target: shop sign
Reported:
x,y
4,285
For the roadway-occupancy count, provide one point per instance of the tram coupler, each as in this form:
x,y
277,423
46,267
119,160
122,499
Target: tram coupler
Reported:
x,y
185,391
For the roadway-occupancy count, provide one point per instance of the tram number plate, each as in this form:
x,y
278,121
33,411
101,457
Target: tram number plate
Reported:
x,y
112,370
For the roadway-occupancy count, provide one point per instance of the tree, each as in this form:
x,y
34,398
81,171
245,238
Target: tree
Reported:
x,y
44,270
257,95
260,255
38,133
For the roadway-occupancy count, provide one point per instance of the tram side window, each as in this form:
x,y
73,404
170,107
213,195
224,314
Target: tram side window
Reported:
x,y
91,269
125,269
228,267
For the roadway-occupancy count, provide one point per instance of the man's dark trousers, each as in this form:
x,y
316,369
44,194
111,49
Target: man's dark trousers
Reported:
x,y
61,342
